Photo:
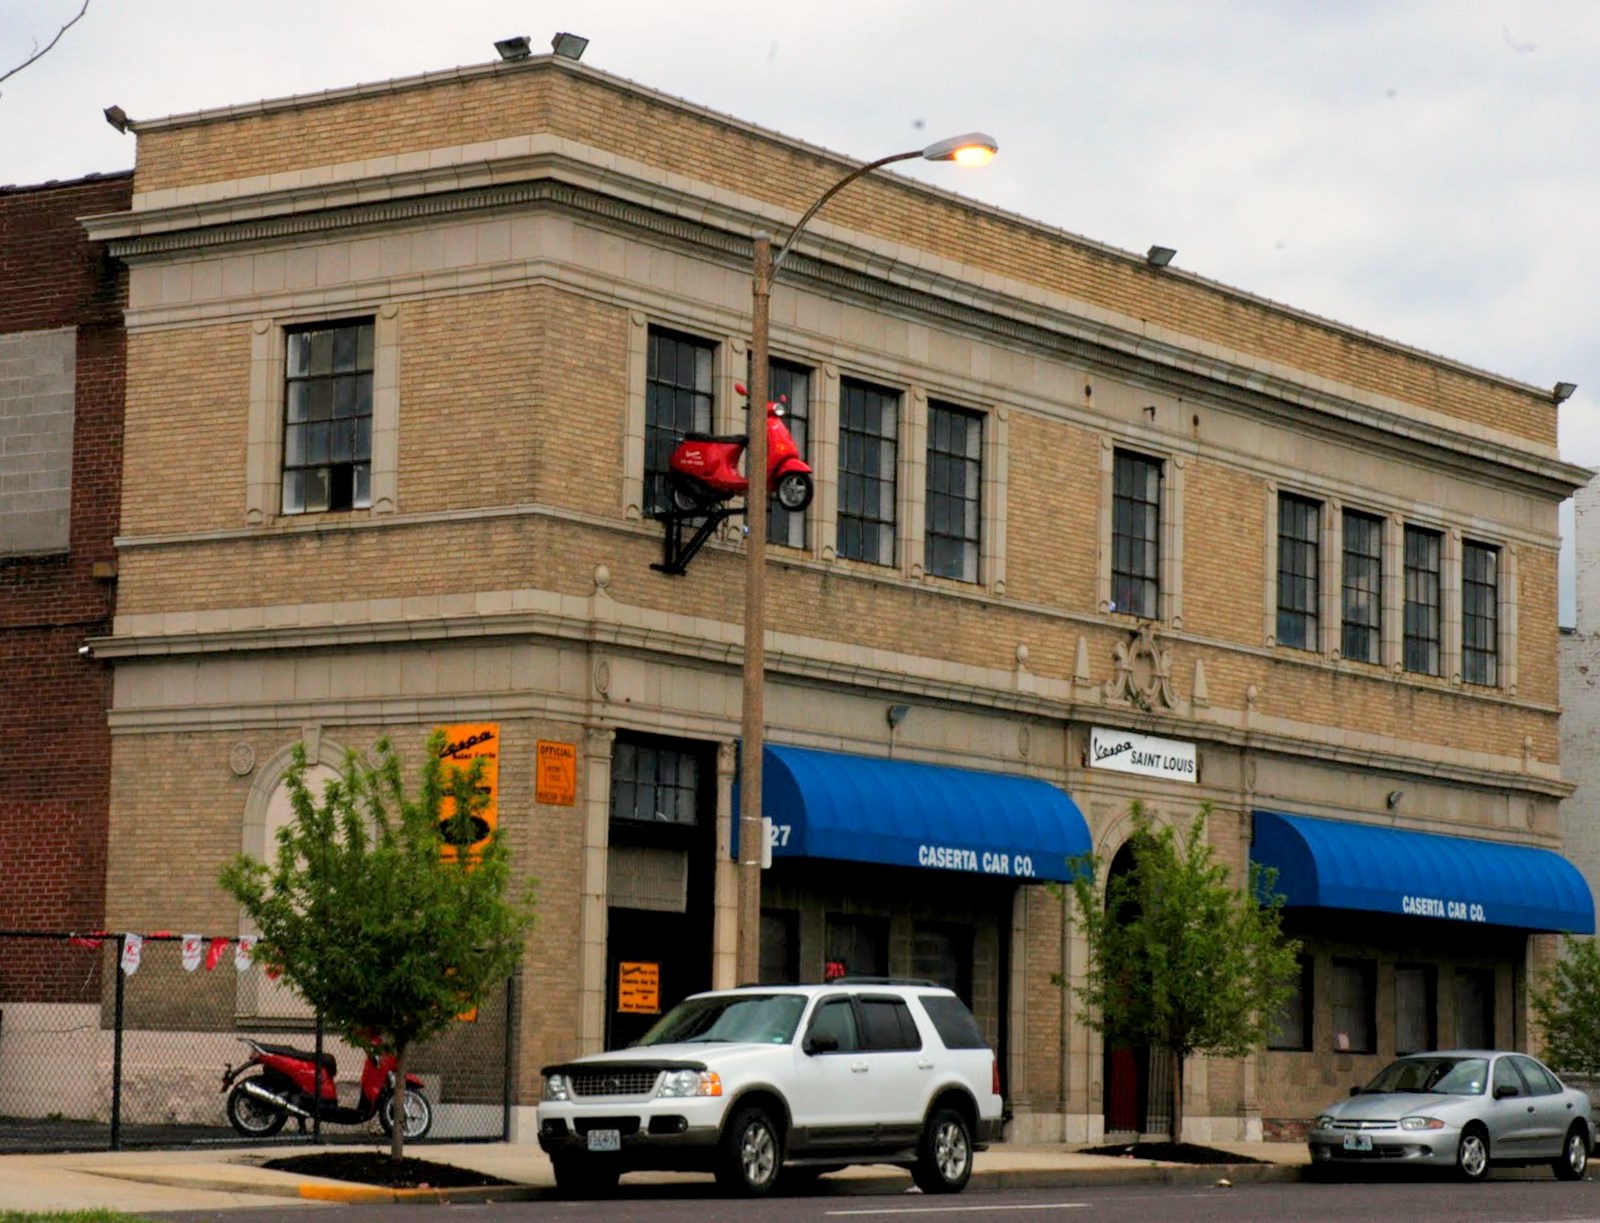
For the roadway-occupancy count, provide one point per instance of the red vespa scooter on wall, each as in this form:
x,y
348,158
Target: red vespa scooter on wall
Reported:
x,y
287,1087
704,468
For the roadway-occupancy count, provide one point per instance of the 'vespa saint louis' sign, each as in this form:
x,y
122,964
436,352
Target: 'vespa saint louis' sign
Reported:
x,y
1125,752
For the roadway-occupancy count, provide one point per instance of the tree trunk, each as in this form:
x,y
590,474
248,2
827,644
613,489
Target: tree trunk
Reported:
x,y
1177,1097
397,1105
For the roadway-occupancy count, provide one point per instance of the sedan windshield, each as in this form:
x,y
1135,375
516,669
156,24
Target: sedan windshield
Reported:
x,y
1445,1076
768,1019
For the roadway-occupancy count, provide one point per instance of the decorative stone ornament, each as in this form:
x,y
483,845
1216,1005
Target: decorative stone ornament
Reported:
x,y
1142,672
242,759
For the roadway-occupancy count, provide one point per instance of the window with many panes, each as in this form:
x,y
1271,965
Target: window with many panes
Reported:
x,y
654,783
1474,990
869,426
1292,1028
1362,629
955,485
1480,614
1414,1008
1422,615
1352,994
1136,534
677,400
327,420
1299,551
790,384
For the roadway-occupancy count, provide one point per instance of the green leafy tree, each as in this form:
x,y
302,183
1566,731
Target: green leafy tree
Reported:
x,y
389,938
1179,958
1566,1003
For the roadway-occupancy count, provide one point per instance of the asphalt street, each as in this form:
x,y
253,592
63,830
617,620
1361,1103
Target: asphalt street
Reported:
x,y
1414,1201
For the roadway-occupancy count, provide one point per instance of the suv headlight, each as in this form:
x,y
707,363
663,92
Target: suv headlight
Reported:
x,y
1324,1122
680,1083
1421,1123
555,1087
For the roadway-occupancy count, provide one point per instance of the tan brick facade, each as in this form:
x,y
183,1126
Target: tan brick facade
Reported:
x,y
516,233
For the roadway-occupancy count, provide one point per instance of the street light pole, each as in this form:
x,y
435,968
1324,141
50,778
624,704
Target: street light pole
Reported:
x,y
972,149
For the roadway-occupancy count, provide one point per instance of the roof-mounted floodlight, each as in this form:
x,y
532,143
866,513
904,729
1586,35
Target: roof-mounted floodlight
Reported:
x,y
1563,391
569,46
1160,256
117,118
514,48
971,149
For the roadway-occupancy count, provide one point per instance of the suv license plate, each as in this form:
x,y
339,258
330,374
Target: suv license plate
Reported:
x,y
1352,1142
611,1140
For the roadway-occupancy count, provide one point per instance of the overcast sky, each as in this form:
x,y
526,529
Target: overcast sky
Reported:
x,y
1426,170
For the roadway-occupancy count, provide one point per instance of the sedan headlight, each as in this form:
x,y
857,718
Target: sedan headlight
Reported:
x,y
1421,1123
1325,1121
556,1088
679,1083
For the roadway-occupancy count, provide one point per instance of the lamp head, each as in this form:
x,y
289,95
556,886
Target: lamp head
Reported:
x,y
969,149
117,118
1160,256
897,714
1563,391
569,46
514,48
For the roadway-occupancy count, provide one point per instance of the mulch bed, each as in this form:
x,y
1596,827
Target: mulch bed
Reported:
x,y
376,1168
1173,1152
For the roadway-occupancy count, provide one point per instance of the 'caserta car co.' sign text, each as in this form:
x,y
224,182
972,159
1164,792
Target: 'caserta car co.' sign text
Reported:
x,y
1125,752
1432,906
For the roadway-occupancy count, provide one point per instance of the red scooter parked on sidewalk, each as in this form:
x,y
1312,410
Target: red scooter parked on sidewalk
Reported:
x,y
704,468
287,1087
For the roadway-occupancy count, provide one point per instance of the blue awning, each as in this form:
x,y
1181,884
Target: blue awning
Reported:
x,y
1338,864
866,809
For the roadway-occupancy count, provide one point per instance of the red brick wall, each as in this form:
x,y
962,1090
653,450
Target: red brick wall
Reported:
x,y
55,749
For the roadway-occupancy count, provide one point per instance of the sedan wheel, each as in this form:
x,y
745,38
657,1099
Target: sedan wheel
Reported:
x,y
1573,1161
1472,1156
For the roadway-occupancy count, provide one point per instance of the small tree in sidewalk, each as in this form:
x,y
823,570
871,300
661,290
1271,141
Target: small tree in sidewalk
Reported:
x,y
1566,1004
388,933
1179,958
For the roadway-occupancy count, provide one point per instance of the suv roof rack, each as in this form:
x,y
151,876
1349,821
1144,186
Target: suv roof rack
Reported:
x,y
853,980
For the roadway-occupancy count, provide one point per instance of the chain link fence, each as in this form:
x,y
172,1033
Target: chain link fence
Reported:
x,y
117,1040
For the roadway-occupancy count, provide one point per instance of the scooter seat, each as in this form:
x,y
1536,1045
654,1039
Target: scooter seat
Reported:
x,y
727,439
304,1055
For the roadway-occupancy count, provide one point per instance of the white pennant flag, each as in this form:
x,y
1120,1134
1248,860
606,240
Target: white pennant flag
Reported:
x,y
191,952
241,953
132,946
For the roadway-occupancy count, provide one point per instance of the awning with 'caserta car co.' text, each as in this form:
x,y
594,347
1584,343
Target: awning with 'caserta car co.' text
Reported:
x,y
1343,864
900,813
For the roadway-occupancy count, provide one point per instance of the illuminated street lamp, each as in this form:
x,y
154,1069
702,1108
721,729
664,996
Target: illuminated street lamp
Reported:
x,y
972,149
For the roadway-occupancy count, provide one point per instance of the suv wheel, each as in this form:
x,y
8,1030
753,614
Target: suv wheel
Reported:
x,y
582,1176
944,1156
752,1153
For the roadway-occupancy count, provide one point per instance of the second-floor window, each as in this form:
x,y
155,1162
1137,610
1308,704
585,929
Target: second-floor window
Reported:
x,y
794,382
1422,614
1480,614
1299,529
1136,535
1362,629
327,420
869,425
678,400
955,482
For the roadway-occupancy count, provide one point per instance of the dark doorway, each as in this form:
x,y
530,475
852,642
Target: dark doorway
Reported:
x,y
1138,1080
661,877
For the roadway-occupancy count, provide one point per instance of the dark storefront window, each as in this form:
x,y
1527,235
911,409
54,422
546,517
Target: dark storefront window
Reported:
x,y
1299,565
858,946
1414,1008
1474,1008
1353,990
654,784
780,946
943,953
1293,1029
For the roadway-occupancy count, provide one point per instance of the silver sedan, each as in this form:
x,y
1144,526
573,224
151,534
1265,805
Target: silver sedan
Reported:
x,y
1463,1108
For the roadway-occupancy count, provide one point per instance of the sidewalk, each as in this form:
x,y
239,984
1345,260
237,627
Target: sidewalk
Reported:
x,y
147,1181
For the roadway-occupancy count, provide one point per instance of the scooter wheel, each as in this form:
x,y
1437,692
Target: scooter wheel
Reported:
x,y
684,498
252,1117
794,491
419,1114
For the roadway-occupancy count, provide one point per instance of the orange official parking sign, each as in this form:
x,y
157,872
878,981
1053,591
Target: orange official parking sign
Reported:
x,y
463,745
556,782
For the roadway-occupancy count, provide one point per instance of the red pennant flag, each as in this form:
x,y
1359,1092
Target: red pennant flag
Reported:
x,y
90,941
273,972
214,952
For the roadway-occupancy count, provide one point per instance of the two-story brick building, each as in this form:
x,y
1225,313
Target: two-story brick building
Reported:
x,y
405,362
61,369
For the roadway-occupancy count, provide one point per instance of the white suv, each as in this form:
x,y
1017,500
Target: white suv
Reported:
x,y
783,1081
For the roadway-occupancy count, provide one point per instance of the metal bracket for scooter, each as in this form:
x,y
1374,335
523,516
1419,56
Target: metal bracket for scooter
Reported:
x,y
677,554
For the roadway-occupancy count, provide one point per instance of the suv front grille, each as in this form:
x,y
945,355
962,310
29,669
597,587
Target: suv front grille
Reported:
x,y
614,1082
